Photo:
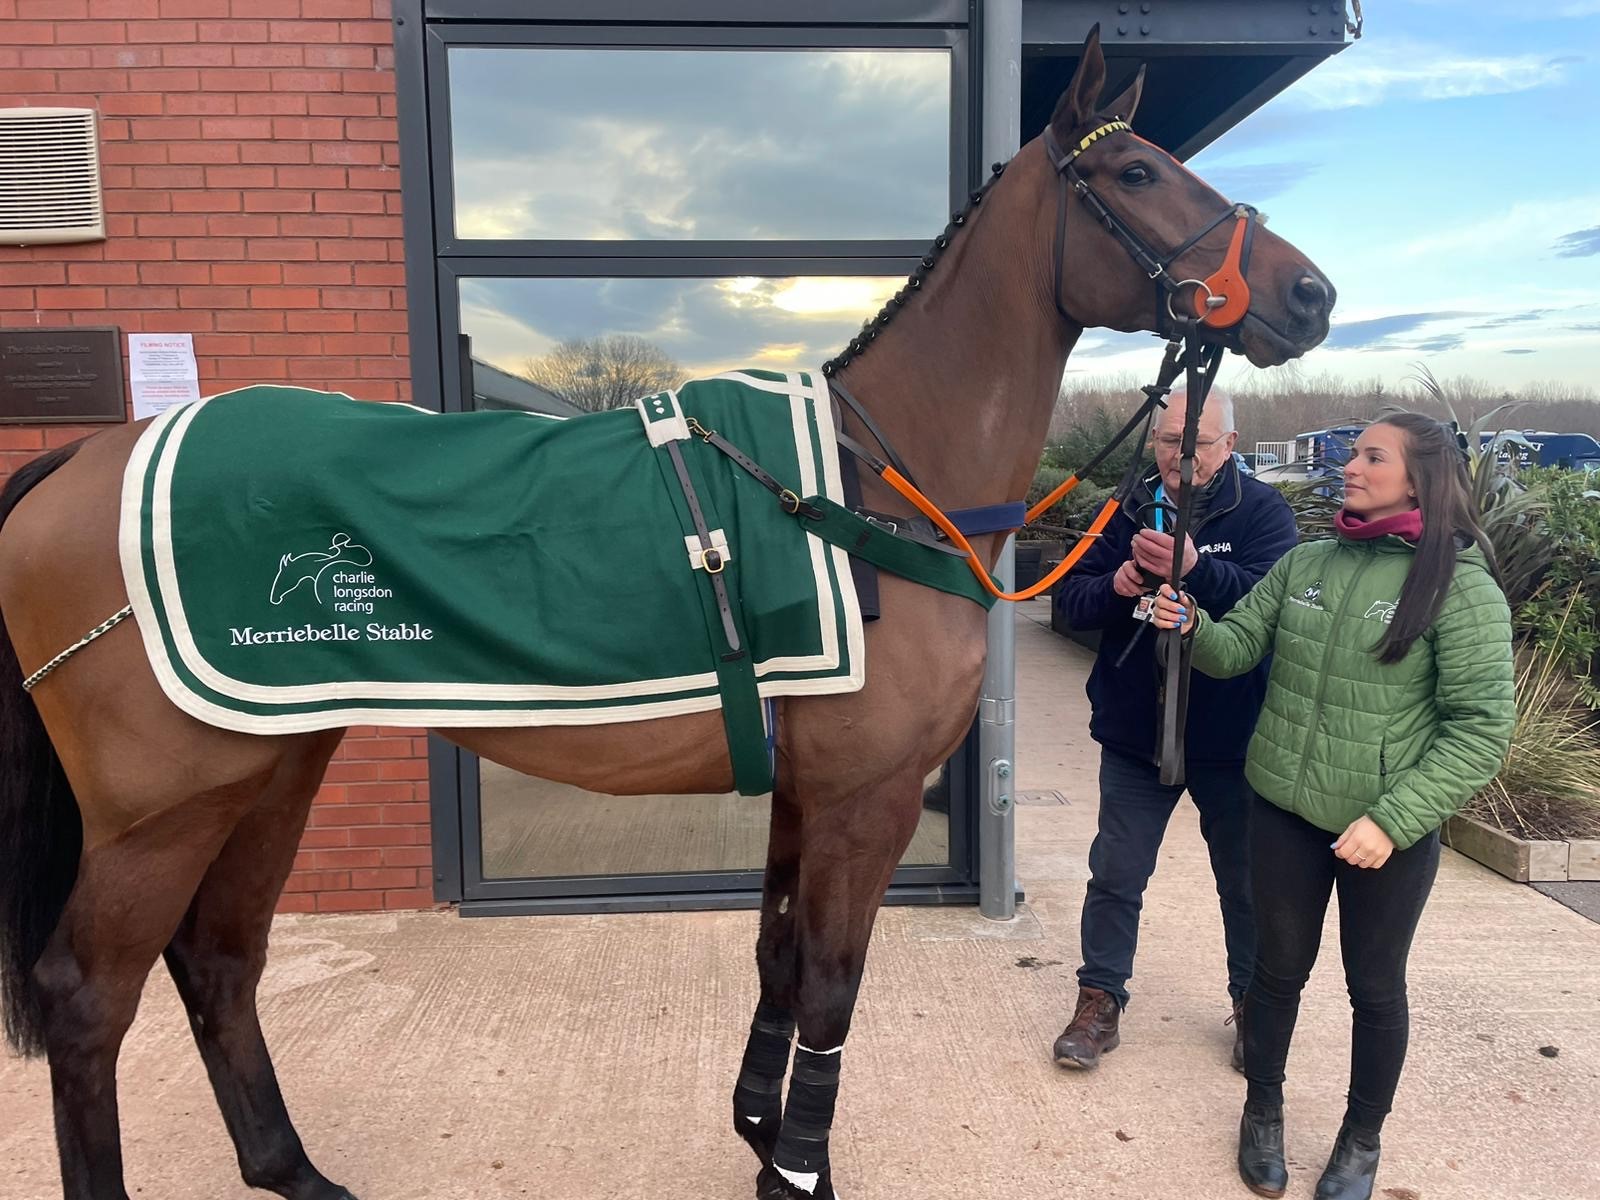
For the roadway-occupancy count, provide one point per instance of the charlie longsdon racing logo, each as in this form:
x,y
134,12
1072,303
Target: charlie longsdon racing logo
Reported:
x,y
339,571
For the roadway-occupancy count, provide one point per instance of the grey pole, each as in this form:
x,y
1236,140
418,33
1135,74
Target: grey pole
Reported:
x,y
997,734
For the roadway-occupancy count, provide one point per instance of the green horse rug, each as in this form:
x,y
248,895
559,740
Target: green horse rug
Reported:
x,y
299,560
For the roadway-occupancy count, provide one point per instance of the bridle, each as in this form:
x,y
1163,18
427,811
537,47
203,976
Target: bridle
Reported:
x,y
1220,302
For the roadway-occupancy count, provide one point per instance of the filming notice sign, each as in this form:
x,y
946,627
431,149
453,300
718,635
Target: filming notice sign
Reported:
x,y
61,376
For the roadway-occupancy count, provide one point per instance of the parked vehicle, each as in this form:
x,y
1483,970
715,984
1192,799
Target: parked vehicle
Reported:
x,y
1327,450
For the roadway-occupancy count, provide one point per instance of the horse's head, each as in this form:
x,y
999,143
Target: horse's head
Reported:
x,y
286,580
1147,238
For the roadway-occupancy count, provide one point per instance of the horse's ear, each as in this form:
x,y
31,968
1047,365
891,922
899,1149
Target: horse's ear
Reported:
x,y
1081,100
1127,104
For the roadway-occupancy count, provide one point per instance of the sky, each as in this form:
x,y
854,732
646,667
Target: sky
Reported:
x,y
1443,171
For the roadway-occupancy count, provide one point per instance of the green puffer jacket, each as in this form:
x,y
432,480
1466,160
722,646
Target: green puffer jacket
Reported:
x,y
1342,735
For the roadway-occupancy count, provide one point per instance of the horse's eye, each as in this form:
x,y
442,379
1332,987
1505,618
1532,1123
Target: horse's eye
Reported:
x,y
1136,176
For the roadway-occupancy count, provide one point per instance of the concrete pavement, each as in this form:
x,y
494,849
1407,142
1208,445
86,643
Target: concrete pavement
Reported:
x,y
570,1058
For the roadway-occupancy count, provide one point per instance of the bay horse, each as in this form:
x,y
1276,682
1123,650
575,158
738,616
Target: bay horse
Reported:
x,y
129,830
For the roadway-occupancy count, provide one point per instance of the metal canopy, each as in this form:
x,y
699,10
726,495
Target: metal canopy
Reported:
x,y
1210,62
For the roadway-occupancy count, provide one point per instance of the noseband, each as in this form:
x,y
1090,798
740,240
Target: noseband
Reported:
x,y
1220,300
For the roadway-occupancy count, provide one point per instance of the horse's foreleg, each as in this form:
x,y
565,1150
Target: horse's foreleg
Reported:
x,y
758,1095
216,959
130,894
849,851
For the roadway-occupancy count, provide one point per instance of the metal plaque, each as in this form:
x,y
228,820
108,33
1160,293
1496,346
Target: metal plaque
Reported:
x,y
61,376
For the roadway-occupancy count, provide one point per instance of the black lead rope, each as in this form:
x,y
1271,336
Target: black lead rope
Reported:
x,y
878,435
1200,362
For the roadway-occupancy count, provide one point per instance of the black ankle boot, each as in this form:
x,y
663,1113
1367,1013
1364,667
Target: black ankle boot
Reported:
x,y
1261,1164
1352,1166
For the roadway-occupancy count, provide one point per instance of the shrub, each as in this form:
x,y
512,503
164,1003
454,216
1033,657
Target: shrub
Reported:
x,y
1559,611
1070,515
1547,787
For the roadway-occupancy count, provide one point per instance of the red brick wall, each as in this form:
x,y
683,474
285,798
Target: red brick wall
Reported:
x,y
252,193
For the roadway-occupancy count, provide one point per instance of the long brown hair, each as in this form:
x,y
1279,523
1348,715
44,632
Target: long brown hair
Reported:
x,y
1437,468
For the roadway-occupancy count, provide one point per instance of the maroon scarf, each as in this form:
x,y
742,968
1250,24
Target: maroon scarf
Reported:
x,y
1407,525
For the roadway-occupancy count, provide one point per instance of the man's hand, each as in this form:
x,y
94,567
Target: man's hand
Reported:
x,y
1364,844
1128,581
1153,552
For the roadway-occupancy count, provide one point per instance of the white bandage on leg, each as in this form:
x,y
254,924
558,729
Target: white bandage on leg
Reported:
x,y
806,1181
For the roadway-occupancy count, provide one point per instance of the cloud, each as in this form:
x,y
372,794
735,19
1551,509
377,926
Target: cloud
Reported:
x,y
1383,332
706,324
1256,182
1524,227
666,144
1579,244
1519,352
1107,343
1369,75
1444,341
1512,319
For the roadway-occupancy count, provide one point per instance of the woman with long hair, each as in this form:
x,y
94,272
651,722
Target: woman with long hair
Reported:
x,y
1389,704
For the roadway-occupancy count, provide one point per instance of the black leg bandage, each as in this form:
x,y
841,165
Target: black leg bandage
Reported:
x,y
808,1117
759,1092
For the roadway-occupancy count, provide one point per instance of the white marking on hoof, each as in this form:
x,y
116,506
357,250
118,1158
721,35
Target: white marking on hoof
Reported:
x,y
835,1050
806,1181
754,1120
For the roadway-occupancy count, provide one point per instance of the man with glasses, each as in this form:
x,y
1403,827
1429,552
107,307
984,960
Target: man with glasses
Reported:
x,y
1240,527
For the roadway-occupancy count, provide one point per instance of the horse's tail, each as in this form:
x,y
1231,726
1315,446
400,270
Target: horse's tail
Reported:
x,y
41,834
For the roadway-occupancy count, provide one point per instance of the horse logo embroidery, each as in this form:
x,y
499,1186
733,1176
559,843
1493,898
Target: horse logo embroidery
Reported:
x,y
1383,610
295,569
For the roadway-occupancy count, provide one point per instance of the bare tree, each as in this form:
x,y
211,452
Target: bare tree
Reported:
x,y
604,372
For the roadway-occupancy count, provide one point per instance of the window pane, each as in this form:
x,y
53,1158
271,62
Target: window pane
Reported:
x,y
643,144
535,829
677,329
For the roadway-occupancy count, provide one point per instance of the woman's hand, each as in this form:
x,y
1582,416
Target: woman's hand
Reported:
x,y
1173,610
1364,844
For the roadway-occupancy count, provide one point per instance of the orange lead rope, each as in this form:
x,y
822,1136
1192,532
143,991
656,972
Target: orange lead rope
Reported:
x,y
931,510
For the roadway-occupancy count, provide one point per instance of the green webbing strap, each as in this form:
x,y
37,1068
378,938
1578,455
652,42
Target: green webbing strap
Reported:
x,y
900,556
736,672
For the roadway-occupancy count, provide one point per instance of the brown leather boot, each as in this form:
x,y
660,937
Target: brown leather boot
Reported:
x,y
1093,1030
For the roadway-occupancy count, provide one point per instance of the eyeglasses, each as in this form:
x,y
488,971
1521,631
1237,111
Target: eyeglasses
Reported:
x,y
1171,441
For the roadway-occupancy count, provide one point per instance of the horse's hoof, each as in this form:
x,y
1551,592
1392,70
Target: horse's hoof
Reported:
x,y
772,1184
310,1187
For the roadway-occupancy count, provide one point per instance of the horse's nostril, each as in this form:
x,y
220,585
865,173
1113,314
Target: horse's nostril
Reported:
x,y
1311,292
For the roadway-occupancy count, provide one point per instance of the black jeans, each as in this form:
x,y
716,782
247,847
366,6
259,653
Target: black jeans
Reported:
x,y
1295,870
1134,809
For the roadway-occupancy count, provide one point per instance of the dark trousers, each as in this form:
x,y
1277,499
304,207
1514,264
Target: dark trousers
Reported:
x,y
1134,809
1295,870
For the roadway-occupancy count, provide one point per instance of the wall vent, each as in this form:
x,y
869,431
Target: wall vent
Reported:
x,y
50,176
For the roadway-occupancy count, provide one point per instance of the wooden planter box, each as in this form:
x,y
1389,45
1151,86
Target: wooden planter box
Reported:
x,y
1583,859
1521,860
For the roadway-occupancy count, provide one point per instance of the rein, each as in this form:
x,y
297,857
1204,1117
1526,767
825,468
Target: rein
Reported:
x,y
1219,302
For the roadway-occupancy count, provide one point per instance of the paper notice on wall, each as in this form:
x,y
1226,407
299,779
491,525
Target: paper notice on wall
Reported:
x,y
161,372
